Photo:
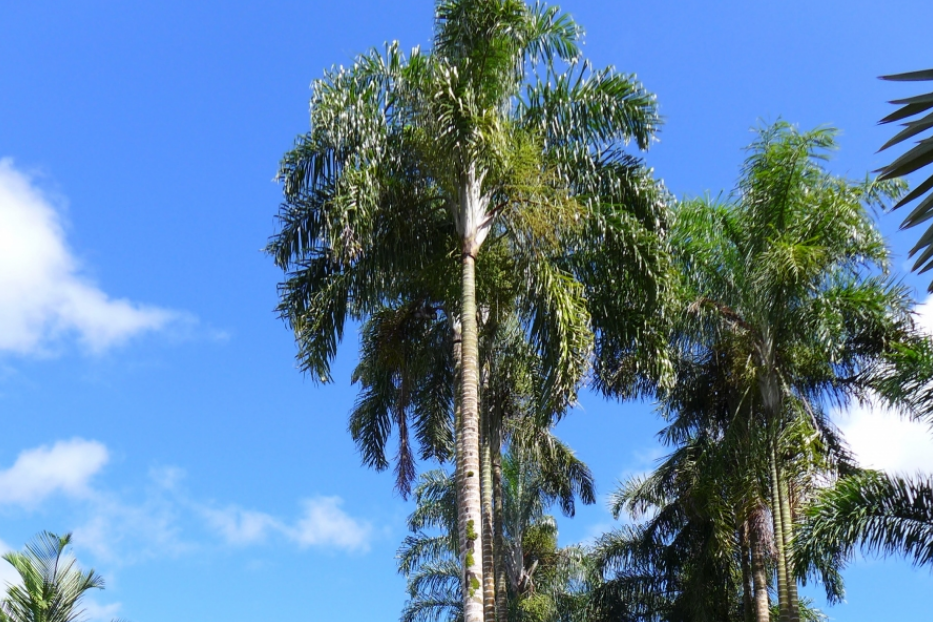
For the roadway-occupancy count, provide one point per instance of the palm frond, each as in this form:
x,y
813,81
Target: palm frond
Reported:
x,y
880,513
913,160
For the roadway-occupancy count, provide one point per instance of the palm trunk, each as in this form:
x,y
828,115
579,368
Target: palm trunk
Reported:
x,y
486,488
758,545
787,526
502,603
469,512
744,552
783,594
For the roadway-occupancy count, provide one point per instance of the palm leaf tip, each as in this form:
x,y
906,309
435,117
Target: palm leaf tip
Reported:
x,y
910,76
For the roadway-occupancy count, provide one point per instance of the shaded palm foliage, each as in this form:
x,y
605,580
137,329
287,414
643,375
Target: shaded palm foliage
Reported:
x,y
678,565
784,312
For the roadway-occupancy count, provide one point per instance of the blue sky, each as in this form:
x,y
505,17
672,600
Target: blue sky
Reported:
x,y
150,397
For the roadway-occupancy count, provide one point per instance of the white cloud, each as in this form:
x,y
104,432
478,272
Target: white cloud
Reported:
x,y
43,295
166,477
125,533
882,439
121,531
325,524
924,317
66,467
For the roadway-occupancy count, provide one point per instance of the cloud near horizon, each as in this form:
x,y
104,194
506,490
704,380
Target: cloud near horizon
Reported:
x,y
43,295
162,521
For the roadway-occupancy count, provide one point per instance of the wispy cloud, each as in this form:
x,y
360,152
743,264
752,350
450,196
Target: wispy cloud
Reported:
x,y
241,527
96,612
123,532
164,521
65,467
43,295
325,524
322,524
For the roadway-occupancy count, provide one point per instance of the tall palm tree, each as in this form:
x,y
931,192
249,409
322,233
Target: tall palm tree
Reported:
x,y
499,133
52,584
914,159
787,276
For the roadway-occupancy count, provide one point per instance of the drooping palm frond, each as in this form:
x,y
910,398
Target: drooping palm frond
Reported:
x,y
913,160
880,513
406,373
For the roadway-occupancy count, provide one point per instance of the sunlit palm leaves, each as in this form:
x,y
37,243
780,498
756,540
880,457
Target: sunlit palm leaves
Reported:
x,y
52,584
545,583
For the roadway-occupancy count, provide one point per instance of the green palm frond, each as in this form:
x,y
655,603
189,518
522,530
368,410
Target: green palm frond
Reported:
x,y
913,160
583,107
541,576
880,513
441,607
562,477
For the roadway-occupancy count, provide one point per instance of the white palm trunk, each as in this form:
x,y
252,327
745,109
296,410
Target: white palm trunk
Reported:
x,y
473,226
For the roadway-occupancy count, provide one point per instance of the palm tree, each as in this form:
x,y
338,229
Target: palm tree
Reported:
x,y
786,280
414,164
680,563
52,584
914,159
704,549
